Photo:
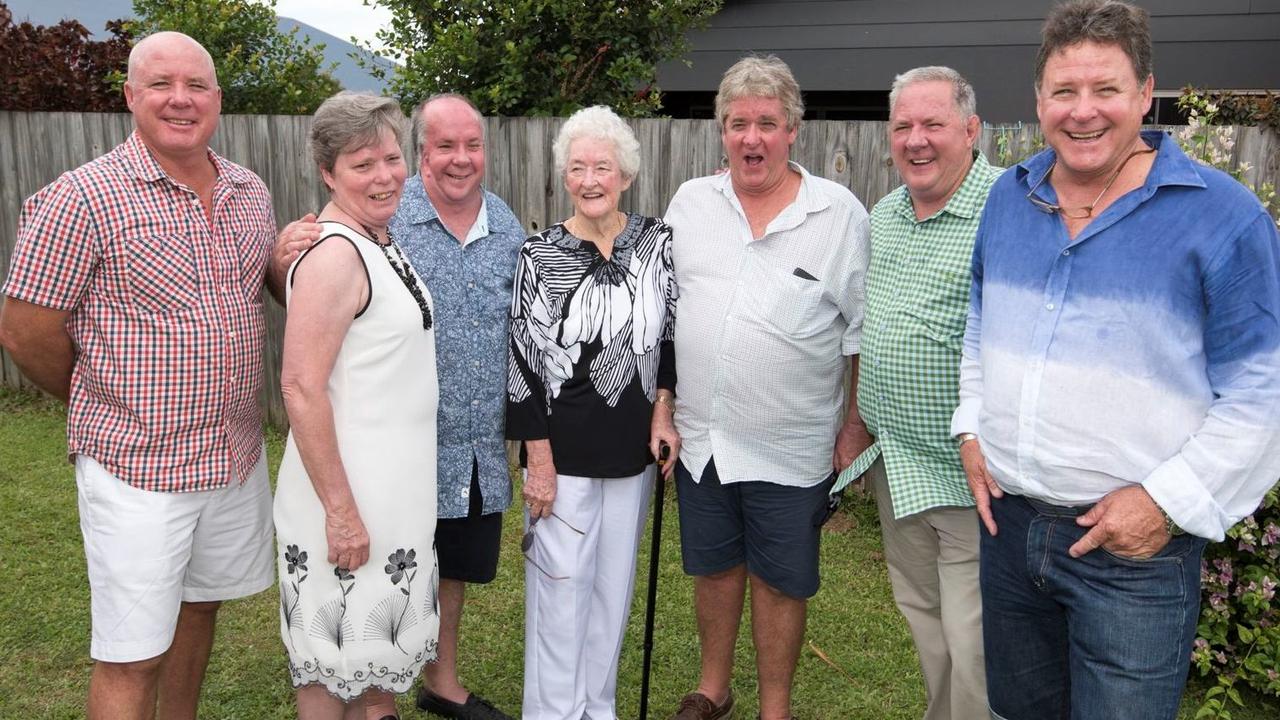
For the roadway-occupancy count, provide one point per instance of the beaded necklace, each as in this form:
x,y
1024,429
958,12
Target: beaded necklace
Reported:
x,y
398,263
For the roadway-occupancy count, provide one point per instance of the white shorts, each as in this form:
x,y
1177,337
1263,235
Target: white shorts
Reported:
x,y
149,552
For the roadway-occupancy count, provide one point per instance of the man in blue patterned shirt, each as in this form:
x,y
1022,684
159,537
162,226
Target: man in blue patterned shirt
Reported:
x,y
462,240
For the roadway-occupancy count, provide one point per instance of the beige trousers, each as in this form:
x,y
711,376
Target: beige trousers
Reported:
x,y
933,566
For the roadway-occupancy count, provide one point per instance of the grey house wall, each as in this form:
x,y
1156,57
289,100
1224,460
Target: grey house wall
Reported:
x,y
859,45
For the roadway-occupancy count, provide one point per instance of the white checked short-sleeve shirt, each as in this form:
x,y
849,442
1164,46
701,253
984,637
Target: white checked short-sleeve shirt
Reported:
x,y
763,328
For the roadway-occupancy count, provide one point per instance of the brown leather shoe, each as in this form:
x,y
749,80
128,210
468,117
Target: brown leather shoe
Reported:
x,y
696,706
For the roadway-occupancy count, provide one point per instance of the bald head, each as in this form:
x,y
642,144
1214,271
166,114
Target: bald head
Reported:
x,y
162,43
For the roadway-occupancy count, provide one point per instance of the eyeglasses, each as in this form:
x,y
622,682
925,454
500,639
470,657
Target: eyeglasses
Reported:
x,y
1086,211
526,544
833,503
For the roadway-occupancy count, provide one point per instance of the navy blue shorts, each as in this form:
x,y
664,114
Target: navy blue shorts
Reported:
x,y
774,529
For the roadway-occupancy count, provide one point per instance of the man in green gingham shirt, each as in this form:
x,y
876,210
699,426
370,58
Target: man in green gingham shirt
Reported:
x,y
917,301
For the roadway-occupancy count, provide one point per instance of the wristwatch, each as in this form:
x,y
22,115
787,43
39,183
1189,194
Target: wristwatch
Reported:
x,y
963,438
1170,526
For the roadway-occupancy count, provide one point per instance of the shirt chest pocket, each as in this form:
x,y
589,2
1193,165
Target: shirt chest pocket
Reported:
x,y
161,273
781,299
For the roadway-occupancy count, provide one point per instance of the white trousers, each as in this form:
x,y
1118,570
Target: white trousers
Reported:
x,y
575,621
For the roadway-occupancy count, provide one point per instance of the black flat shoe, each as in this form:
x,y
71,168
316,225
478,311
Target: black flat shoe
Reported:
x,y
475,708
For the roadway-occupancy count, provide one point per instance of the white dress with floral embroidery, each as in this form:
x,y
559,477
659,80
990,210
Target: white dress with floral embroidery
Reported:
x,y
377,626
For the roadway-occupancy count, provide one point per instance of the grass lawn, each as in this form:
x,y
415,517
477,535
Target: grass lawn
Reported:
x,y
44,617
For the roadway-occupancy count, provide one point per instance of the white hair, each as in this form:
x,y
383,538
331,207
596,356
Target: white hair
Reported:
x,y
962,91
601,123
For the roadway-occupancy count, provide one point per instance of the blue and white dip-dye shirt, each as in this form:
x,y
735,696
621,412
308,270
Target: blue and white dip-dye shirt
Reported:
x,y
470,284
1146,350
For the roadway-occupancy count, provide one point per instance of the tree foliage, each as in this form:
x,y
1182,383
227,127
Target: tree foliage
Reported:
x,y
538,57
260,69
57,67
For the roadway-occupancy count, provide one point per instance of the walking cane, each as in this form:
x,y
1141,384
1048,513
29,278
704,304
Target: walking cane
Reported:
x,y
664,451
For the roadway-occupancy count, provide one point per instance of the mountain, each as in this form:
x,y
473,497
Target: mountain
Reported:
x,y
94,14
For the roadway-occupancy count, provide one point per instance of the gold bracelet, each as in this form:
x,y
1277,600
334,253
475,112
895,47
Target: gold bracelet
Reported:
x,y
667,400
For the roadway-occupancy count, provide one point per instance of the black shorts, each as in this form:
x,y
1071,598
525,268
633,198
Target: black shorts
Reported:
x,y
774,529
467,547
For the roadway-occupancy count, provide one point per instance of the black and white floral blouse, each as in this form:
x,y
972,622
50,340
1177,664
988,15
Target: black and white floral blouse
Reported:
x,y
590,346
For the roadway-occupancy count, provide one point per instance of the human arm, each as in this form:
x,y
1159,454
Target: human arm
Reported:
x,y
662,431
527,411
37,340
52,266
964,422
662,427
292,240
853,437
1227,464
330,287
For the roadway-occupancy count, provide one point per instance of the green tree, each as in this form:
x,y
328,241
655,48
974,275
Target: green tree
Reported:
x,y
260,69
538,57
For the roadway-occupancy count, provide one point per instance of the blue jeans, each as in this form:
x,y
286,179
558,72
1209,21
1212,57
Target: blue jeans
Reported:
x,y
1095,637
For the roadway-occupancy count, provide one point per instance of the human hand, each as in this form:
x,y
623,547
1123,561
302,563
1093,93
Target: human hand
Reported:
x,y
539,489
348,540
292,240
1126,522
981,484
851,441
662,429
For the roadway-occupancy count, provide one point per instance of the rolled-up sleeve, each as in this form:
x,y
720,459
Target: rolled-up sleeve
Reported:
x,y
1221,473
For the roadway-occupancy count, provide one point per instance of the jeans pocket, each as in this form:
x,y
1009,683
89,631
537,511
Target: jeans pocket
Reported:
x,y
1174,551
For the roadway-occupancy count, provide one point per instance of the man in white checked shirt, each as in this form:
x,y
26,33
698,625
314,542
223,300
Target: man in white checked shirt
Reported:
x,y
769,263
917,300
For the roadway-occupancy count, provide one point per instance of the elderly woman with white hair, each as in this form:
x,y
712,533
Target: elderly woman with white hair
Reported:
x,y
591,362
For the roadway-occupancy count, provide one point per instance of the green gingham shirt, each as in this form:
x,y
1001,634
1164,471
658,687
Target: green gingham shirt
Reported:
x,y
917,301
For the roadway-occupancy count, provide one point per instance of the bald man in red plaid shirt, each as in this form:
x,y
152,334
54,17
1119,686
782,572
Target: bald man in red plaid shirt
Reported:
x,y
134,295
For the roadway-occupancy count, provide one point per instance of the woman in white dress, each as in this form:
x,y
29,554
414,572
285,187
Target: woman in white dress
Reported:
x,y
356,497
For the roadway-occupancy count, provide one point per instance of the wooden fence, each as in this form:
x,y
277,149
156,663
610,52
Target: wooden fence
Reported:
x,y
36,147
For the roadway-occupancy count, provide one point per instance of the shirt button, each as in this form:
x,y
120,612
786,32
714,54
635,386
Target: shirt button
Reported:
x,y
231,335
1049,306
475,323
877,362
471,285
475,403
1066,252
884,326
466,492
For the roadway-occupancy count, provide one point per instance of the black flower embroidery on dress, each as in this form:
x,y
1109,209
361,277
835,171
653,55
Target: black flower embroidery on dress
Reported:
x,y
330,621
398,562
291,591
391,617
295,560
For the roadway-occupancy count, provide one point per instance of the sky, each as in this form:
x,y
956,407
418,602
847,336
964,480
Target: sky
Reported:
x,y
340,18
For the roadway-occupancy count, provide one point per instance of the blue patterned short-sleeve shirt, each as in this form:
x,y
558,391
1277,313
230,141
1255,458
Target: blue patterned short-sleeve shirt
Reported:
x,y
470,284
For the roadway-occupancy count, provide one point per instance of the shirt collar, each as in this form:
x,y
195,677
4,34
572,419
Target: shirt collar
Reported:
x,y
968,199
147,168
808,200
1171,166
417,209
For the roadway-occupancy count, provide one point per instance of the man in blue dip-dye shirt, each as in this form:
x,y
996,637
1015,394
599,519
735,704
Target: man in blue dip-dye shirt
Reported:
x,y
1121,374
462,240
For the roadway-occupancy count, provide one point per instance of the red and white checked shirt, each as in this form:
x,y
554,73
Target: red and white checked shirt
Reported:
x,y
166,314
